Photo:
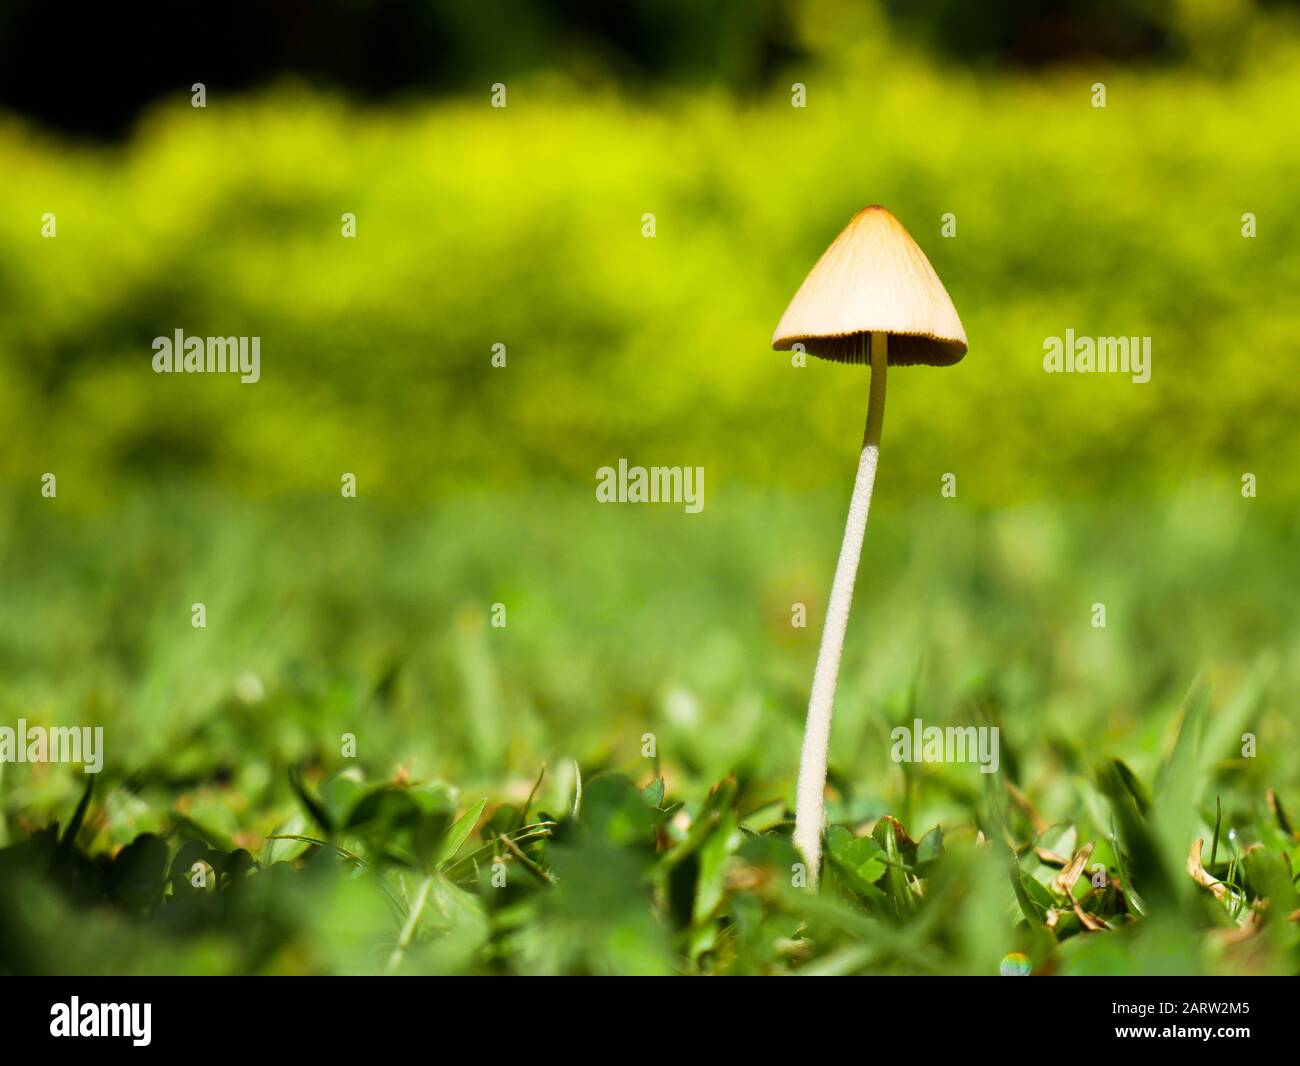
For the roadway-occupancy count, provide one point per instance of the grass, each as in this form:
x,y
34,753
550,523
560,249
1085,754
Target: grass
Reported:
x,y
443,846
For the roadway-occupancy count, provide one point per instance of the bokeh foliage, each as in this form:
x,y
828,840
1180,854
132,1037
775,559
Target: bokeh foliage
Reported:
x,y
523,226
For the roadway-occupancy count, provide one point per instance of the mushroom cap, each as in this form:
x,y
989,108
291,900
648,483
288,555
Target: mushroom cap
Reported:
x,y
873,278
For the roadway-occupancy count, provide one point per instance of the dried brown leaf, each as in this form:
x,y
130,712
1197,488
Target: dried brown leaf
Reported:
x,y
1199,873
1064,881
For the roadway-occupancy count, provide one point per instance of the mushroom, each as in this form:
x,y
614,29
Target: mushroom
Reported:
x,y
872,297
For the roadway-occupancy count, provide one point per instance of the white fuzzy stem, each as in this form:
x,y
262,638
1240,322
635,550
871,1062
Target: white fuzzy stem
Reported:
x,y
810,797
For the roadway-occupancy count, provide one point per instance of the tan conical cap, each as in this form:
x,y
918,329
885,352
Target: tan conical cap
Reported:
x,y
873,278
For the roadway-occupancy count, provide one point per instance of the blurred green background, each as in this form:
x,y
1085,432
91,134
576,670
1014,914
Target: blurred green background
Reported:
x,y
523,226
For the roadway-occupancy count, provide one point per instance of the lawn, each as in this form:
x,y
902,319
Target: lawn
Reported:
x,y
404,773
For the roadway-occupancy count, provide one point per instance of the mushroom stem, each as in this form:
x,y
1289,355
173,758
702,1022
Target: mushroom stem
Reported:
x,y
810,797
